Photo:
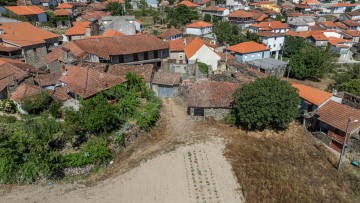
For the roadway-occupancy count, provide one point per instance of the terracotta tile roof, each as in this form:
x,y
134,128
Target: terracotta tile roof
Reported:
x,y
271,25
6,48
210,94
61,12
111,32
10,74
315,27
307,2
214,8
335,40
306,34
223,56
269,34
203,2
342,5
19,64
89,15
24,34
48,79
167,78
60,94
116,1
25,10
240,14
188,4
311,94
24,91
247,47
199,24
74,49
111,46
192,47
336,115
55,54
352,33
319,37
294,14
169,33
64,6
351,23
144,71
328,24
178,45
291,33
87,82
341,25
79,28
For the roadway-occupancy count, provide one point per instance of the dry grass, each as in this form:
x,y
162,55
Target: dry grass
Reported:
x,y
290,167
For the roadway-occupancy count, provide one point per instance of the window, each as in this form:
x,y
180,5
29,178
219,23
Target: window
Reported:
x,y
181,55
34,50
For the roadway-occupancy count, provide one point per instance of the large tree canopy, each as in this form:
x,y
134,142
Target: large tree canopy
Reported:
x,y
312,62
230,34
293,45
181,15
266,103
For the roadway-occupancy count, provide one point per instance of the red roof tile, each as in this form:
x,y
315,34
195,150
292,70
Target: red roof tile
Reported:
x,y
79,28
25,10
328,24
87,82
210,94
341,25
351,23
167,78
312,95
352,33
248,47
47,79
111,32
19,64
10,74
178,45
336,115
169,33
240,14
192,47
199,24
64,6
214,8
342,5
188,4
24,34
24,91
144,71
61,12
271,25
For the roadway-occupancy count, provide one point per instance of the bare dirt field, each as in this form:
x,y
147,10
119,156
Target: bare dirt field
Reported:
x,y
173,163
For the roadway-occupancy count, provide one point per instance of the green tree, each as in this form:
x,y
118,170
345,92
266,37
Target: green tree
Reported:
x,y
230,34
115,8
352,1
37,103
215,20
348,80
348,9
266,103
312,62
207,17
181,15
352,86
7,3
293,45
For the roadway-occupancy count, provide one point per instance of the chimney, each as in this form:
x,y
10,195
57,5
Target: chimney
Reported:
x,y
1,31
334,92
185,41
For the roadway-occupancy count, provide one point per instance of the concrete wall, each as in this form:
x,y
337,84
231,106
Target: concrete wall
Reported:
x,y
178,56
252,56
274,43
42,17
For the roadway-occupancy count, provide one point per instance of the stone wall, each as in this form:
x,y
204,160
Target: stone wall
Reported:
x,y
216,113
35,56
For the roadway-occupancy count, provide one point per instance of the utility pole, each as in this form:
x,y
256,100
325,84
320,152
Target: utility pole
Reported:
x,y
344,143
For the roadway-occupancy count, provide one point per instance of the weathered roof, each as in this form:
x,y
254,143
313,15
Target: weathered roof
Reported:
x,y
178,45
19,64
336,115
55,54
87,82
342,5
65,6
167,78
269,34
79,28
328,24
111,32
214,8
271,25
24,34
311,94
48,79
61,12
25,10
105,47
188,4
210,94
24,91
144,71
169,33
240,14
351,23
10,74
248,47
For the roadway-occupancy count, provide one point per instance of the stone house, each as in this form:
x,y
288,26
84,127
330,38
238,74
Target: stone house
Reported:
x,y
216,12
146,71
353,15
171,34
328,25
241,18
64,18
32,13
341,7
80,30
332,120
248,51
209,99
129,49
15,37
273,41
351,35
166,84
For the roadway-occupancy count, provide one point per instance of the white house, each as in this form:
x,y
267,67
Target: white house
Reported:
x,y
197,50
341,7
249,51
199,28
272,41
216,12
273,26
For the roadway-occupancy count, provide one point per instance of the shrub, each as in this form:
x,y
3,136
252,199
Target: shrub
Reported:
x,y
94,151
266,103
8,106
55,110
37,103
7,119
203,68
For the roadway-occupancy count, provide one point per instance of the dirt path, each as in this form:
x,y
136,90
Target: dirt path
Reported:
x,y
179,161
